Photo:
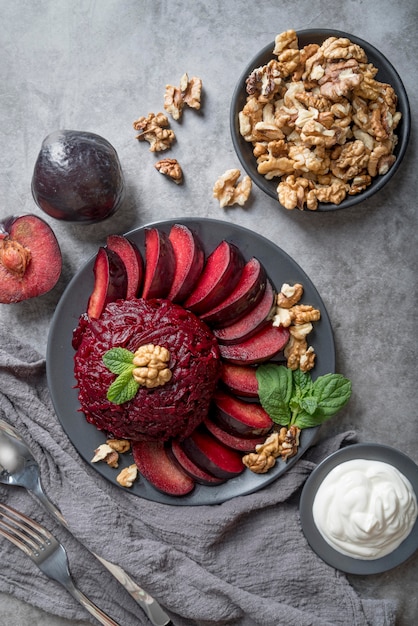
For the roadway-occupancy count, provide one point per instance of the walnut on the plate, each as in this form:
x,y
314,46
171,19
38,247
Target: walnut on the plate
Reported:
x,y
188,93
120,445
154,129
282,444
170,168
151,366
107,454
229,191
298,318
306,111
127,476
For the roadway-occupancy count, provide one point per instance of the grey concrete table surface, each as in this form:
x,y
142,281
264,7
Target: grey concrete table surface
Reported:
x,y
98,66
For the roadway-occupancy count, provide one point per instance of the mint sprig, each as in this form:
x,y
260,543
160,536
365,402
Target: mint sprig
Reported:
x,y
292,398
120,361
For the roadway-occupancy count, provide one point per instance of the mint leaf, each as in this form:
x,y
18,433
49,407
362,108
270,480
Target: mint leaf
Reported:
x,y
275,388
302,381
309,404
123,388
331,392
117,360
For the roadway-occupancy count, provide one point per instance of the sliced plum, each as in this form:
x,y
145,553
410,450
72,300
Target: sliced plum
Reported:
x,y
251,322
261,347
132,258
240,379
220,275
197,473
211,455
77,177
154,463
110,281
30,258
159,264
189,257
241,418
242,444
246,295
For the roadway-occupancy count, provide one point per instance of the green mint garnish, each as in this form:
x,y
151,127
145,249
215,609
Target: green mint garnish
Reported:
x,y
120,361
292,398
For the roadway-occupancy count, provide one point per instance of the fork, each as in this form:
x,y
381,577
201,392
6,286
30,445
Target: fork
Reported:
x,y
47,553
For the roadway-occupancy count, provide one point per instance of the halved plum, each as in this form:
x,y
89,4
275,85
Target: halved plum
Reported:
x,y
220,275
250,323
132,258
110,281
240,379
242,444
30,258
189,261
154,463
211,455
261,347
246,295
197,473
244,419
159,264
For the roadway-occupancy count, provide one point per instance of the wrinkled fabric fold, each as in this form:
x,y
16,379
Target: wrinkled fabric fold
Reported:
x,y
243,563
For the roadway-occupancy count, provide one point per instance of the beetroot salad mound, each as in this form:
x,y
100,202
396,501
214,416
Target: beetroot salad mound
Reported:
x,y
171,410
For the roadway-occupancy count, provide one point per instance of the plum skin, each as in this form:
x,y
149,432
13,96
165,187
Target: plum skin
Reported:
x,y
77,177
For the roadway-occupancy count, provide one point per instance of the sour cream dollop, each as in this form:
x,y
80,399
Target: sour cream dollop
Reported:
x,y
364,508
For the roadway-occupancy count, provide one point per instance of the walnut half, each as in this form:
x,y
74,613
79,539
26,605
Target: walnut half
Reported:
x,y
229,191
170,168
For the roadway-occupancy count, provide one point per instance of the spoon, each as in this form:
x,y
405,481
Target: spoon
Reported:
x,y
18,467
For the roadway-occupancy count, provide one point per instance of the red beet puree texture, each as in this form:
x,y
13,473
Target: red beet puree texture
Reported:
x,y
171,410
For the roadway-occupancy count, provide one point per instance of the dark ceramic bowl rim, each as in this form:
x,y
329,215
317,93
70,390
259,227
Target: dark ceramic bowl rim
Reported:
x,y
387,73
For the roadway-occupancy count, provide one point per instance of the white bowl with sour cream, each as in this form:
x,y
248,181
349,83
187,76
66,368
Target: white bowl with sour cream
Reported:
x,y
359,510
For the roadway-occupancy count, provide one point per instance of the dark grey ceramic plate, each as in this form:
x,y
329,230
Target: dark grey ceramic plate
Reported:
x,y
386,74
375,452
85,437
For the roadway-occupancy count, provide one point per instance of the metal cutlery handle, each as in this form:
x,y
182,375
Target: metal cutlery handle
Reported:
x,y
90,606
153,610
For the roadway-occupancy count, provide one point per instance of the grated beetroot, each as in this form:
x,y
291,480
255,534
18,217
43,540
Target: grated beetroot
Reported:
x,y
172,410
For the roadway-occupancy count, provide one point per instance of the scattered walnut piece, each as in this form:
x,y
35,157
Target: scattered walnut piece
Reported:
x,y
282,444
319,121
188,93
127,476
298,318
151,366
154,129
229,191
120,445
107,454
170,168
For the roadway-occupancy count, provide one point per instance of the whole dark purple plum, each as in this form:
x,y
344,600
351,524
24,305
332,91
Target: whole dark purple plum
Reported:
x,y
77,177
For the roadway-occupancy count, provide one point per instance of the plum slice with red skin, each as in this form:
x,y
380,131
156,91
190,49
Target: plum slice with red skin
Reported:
x,y
242,444
222,271
246,295
132,258
159,264
154,463
30,258
197,473
110,281
189,257
241,418
240,379
212,455
261,347
251,322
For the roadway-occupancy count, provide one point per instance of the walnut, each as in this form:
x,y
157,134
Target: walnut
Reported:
x,y
229,191
294,351
170,168
289,295
282,444
188,93
120,445
154,129
333,190
151,366
352,160
264,81
107,454
287,51
127,476
304,313
292,191
336,48
340,79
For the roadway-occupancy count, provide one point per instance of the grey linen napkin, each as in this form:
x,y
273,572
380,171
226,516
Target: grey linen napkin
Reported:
x,y
243,563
